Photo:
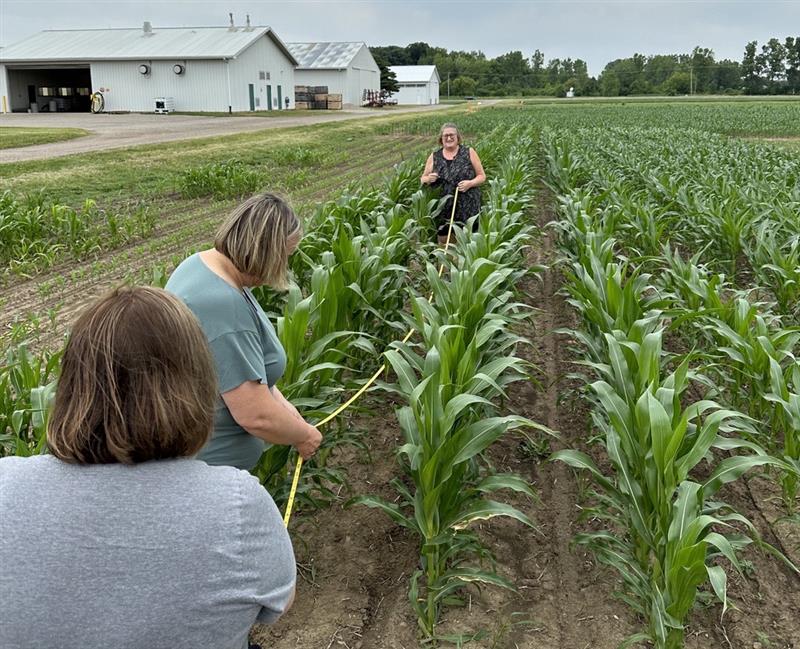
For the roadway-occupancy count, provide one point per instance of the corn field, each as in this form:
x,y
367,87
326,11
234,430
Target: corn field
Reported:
x,y
671,250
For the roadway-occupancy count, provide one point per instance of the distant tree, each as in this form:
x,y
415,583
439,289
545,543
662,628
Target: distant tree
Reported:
x,y
661,67
792,47
774,56
609,82
727,76
775,67
388,78
511,70
463,87
750,69
624,77
391,54
418,53
677,84
538,78
702,64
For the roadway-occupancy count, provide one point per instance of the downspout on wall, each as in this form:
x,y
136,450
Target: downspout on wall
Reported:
x,y
228,75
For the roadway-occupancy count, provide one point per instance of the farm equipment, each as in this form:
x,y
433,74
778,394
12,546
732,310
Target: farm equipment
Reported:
x,y
377,99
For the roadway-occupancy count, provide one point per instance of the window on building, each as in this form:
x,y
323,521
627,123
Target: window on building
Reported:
x,y
47,92
65,92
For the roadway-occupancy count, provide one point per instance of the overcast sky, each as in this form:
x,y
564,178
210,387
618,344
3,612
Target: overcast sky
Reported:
x,y
595,31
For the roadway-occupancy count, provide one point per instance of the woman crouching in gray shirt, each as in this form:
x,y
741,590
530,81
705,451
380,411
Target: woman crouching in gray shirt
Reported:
x,y
119,538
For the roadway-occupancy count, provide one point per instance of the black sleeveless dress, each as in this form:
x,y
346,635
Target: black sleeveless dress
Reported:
x,y
451,172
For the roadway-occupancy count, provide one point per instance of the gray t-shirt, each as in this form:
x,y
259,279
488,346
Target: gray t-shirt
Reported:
x,y
169,554
245,348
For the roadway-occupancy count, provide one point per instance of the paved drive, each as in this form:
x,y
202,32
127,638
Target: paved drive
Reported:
x,y
121,131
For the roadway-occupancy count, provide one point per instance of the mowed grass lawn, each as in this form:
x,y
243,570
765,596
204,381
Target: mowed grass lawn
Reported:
x,y
12,137
151,171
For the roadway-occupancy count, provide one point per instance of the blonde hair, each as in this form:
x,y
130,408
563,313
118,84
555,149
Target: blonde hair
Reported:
x,y
449,125
137,382
258,237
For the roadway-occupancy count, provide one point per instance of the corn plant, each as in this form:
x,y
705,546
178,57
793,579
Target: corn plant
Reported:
x,y
614,297
27,387
785,395
450,485
446,427
670,529
220,180
775,259
667,528
36,231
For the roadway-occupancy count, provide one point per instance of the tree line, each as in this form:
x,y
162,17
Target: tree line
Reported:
x,y
772,69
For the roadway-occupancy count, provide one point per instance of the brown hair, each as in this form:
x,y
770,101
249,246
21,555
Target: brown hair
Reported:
x,y
449,125
258,237
137,382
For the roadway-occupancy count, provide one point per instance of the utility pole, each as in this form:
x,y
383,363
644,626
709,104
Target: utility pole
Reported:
x,y
691,80
448,85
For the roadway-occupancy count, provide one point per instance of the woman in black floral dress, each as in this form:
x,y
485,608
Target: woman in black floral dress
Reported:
x,y
450,167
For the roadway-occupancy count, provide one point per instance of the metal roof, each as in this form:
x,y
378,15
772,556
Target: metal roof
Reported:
x,y
136,44
414,73
324,56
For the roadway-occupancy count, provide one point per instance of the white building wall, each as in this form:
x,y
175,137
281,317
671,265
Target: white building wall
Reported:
x,y
202,87
362,74
204,84
434,91
336,80
416,94
419,93
262,56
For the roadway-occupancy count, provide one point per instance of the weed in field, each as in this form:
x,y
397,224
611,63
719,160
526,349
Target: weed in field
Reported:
x,y
220,180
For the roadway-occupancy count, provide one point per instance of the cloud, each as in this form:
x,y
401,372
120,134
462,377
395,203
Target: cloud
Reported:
x,y
594,31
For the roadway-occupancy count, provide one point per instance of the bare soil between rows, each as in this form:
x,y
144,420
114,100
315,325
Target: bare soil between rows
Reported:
x,y
355,564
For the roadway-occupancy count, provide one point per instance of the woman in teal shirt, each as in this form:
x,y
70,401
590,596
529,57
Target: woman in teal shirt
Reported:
x,y
251,248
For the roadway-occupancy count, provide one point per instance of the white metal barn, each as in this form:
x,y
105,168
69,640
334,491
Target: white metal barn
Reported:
x,y
346,68
419,84
209,69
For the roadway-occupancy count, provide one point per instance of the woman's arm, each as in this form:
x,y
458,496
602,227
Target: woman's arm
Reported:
x,y
285,402
261,414
429,176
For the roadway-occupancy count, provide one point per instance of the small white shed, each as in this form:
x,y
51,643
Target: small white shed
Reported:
x,y
205,69
419,84
347,69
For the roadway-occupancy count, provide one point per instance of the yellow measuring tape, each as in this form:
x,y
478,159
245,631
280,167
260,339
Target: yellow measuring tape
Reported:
x,y
365,387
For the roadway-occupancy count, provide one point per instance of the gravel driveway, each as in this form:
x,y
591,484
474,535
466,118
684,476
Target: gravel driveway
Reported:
x,y
122,131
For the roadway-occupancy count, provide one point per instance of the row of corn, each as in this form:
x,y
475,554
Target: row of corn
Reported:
x,y
452,374
648,219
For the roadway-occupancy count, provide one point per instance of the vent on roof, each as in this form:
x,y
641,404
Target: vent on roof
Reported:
x,y
147,28
248,28
231,27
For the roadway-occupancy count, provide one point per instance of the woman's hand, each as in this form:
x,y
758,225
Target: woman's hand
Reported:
x,y
309,446
464,185
430,178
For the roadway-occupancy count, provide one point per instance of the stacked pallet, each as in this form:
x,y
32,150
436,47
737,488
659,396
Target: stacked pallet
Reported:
x,y
311,97
334,102
316,98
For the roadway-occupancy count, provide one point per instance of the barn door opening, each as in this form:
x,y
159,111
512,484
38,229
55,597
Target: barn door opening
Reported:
x,y
280,99
269,97
252,90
